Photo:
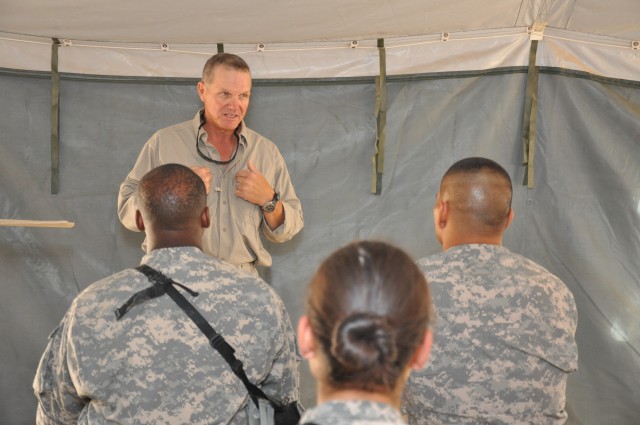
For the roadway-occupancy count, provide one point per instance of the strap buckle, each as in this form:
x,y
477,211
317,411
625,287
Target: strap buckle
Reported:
x,y
216,341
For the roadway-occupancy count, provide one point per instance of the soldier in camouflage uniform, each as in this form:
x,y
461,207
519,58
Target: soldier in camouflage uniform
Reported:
x,y
504,336
154,366
367,325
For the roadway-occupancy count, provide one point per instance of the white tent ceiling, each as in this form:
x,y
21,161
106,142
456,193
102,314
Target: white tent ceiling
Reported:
x,y
304,38
287,21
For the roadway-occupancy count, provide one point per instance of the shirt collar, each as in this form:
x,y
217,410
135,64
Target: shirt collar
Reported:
x,y
241,130
172,254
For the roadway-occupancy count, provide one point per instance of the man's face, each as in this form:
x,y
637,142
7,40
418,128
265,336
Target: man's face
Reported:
x,y
226,97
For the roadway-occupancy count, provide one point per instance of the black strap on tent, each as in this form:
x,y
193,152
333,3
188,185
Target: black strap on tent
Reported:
x,y
530,113
220,48
381,121
55,118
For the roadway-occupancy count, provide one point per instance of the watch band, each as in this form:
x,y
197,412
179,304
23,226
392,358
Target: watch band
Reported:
x,y
271,205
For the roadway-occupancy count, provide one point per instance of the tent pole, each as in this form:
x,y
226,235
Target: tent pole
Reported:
x,y
530,115
55,118
381,121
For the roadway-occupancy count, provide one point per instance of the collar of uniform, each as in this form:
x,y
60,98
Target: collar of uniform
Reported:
x,y
476,248
362,410
171,255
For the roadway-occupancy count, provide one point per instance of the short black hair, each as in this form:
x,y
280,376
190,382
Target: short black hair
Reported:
x,y
171,195
475,164
480,191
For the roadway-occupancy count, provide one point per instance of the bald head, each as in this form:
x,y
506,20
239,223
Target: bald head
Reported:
x,y
477,192
171,197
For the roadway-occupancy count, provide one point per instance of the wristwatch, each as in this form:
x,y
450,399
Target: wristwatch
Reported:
x,y
270,206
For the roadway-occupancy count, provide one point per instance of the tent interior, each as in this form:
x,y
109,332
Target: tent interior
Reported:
x,y
369,102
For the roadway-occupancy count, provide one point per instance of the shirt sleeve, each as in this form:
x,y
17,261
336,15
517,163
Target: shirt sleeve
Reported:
x,y
58,399
283,380
293,218
147,160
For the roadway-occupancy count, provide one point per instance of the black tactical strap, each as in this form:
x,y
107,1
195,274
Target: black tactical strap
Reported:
x,y
158,289
140,297
217,341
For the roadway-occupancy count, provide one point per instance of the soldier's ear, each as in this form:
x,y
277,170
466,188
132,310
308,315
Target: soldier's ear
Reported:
x,y
306,340
509,218
441,213
205,219
421,355
139,221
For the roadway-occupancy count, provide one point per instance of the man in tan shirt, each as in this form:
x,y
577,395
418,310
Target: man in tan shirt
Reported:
x,y
248,185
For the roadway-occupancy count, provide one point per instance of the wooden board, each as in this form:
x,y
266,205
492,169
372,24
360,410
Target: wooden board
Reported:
x,y
36,223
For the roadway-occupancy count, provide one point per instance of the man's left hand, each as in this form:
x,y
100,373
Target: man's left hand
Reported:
x,y
252,186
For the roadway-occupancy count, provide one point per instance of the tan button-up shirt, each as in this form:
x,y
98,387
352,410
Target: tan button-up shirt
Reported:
x,y
234,234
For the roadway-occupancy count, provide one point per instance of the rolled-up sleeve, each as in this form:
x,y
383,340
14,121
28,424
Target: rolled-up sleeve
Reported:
x,y
147,160
293,218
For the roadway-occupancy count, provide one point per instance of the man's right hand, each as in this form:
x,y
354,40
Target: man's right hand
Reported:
x,y
205,174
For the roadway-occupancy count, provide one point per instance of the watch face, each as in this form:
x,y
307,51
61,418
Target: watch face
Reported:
x,y
271,205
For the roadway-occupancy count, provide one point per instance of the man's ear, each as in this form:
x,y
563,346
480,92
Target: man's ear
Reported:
x,y
205,220
306,340
421,355
139,221
201,88
509,218
441,212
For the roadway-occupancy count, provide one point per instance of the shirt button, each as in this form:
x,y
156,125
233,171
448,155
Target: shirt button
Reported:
x,y
224,229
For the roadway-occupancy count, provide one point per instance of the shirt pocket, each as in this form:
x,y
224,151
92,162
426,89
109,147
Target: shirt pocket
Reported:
x,y
246,212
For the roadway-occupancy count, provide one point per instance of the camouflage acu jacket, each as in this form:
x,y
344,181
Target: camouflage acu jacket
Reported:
x,y
154,366
503,341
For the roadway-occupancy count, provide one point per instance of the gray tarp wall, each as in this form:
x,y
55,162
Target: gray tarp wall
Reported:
x,y
581,220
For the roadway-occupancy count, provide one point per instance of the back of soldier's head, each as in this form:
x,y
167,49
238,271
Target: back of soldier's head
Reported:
x,y
171,197
368,306
479,192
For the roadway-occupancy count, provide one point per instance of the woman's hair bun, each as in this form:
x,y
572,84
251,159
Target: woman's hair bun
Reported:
x,y
362,341
369,307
